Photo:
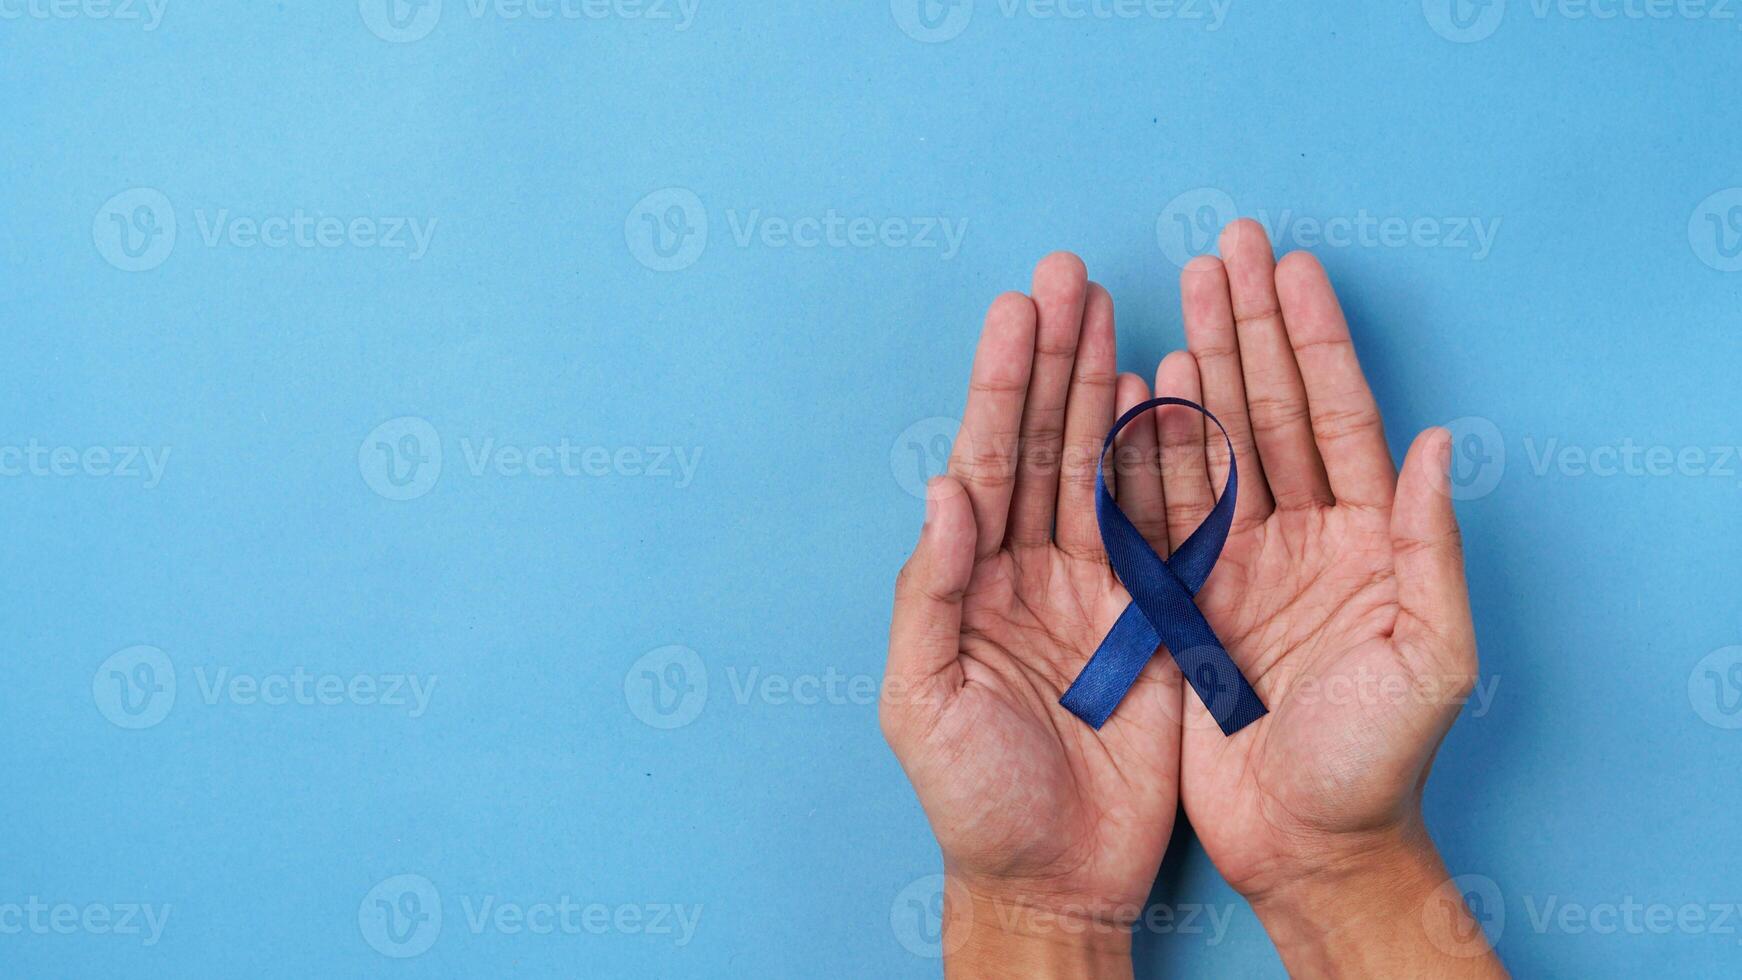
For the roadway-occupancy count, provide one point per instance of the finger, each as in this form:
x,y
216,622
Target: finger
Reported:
x,y
1185,471
1345,419
984,455
1209,323
1088,416
1060,284
1137,463
925,634
1428,557
1274,392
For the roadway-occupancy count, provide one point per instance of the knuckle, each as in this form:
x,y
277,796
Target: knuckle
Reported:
x,y
1264,313
1327,345
1215,352
1272,413
1097,378
1335,425
911,583
996,384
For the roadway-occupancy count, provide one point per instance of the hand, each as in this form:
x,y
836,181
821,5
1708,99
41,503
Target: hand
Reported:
x,y
1341,596
1051,832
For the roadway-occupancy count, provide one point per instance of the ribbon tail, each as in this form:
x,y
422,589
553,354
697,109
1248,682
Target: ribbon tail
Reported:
x,y
1113,669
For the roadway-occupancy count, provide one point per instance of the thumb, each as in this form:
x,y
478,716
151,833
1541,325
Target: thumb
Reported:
x,y
1428,557
925,634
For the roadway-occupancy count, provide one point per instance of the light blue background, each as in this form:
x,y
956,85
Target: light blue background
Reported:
x,y
1595,778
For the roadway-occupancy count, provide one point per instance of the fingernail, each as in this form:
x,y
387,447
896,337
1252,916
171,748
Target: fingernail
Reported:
x,y
931,498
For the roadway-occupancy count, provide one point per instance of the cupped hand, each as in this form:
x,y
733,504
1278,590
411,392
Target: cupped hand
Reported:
x,y
1005,598
1341,596
1340,592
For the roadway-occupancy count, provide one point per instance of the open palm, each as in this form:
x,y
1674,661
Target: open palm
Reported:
x,y
1007,596
1340,592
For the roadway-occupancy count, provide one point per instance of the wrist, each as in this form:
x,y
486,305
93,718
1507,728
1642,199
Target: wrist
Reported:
x,y
998,932
1381,904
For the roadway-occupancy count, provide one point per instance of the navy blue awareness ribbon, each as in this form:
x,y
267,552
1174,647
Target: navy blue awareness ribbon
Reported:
x,y
1162,611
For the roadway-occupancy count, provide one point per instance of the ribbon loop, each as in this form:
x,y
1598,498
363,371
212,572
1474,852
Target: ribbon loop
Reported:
x,y
1162,611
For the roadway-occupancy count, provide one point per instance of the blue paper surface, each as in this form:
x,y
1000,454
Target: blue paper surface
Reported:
x,y
645,596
